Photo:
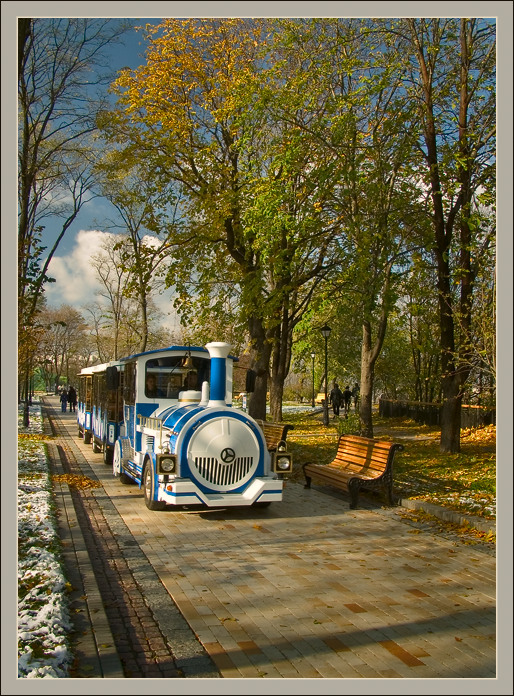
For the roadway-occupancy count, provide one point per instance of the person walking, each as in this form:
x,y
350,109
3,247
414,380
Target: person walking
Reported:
x,y
347,398
336,397
64,400
72,399
355,393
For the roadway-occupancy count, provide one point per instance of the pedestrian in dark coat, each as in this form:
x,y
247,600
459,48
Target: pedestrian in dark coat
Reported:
x,y
347,398
64,400
356,393
336,398
72,399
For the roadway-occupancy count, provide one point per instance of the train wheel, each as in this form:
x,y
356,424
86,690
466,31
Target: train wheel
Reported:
x,y
96,449
87,438
117,468
149,490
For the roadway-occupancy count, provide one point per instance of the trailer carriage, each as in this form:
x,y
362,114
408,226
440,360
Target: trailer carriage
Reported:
x,y
84,404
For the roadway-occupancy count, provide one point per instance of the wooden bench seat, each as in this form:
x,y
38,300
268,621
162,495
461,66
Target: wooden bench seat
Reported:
x,y
360,463
274,433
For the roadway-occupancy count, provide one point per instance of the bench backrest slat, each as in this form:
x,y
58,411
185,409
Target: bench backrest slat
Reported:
x,y
363,443
361,460
364,454
344,459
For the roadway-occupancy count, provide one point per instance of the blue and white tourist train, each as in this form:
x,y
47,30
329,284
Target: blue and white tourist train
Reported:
x,y
164,419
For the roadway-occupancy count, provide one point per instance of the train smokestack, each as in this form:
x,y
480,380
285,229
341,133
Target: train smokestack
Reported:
x,y
218,353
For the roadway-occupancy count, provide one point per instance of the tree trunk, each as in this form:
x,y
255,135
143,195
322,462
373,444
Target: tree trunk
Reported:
x,y
366,388
450,421
260,352
144,320
450,436
279,370
369,353
281,360
276,393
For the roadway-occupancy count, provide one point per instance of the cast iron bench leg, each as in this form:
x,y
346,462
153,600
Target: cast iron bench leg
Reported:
x,y
307,478
389,492
353,488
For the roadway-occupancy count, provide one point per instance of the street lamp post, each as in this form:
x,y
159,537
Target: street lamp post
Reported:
x,y
313,400
326,333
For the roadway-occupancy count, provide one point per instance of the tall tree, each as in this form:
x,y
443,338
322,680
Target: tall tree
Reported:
x,y
182,99
351,100
148,219
62,335
60,65
449,75
116,323
195,101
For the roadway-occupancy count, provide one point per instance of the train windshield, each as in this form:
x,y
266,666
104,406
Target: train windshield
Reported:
x,y
166,377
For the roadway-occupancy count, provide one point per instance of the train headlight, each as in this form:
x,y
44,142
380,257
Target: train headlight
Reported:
x,y
282,463
166,463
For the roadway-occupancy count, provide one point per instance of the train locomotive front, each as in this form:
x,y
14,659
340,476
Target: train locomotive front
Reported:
x,y
201,450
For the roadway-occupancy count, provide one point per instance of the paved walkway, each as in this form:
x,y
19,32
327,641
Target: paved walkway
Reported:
x,y
308,588
125,621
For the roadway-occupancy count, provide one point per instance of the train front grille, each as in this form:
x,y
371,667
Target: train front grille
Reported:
x,y
219,474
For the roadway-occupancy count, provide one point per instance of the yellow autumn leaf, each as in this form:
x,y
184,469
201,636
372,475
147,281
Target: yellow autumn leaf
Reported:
x,y
76,480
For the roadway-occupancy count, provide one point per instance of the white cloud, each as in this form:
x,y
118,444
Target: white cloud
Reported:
x,y
75,277
76,283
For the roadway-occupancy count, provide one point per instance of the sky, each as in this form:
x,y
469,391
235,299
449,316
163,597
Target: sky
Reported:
x,y
76,283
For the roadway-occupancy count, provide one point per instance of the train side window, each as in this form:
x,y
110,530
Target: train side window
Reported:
x,y
102,390
89,389
129,386
119,397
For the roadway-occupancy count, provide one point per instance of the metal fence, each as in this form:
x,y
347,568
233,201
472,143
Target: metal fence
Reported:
x,y
430,413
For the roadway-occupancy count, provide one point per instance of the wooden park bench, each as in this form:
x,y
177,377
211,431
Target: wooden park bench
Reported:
x,y
360,463
274,433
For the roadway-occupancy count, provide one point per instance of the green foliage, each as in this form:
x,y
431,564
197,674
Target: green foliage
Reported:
x,y
299,159
349,425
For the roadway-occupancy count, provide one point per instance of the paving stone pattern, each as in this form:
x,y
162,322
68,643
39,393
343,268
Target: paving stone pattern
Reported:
x,y
306,588
140,612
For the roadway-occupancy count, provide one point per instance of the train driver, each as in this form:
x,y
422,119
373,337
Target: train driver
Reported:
x,y
151,389
191,380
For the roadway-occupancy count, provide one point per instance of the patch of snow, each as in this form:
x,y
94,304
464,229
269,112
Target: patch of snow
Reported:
x,y
43,612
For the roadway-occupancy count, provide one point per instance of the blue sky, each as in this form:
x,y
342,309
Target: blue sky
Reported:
x,y
92,215
76,283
